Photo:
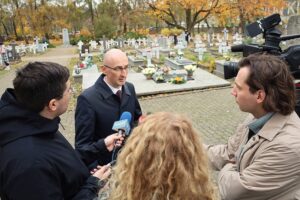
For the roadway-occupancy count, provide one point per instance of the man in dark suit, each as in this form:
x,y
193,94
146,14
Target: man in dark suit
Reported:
x,y
99,106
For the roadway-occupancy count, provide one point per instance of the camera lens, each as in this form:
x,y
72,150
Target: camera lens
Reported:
x,y
230,69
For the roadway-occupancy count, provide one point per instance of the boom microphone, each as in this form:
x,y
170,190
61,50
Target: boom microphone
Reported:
x,y
123,125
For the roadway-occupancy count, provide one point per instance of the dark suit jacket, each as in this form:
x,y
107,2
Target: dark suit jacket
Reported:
x,y
97,109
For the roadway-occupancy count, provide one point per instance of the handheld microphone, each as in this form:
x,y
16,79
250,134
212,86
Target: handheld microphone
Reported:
x,y
123,125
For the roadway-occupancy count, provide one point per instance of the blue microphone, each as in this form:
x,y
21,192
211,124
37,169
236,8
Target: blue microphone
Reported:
x,y
123,125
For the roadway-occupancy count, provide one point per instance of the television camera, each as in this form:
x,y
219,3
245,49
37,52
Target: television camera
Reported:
x,y
272,37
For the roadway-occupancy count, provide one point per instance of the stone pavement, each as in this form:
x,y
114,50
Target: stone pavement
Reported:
x,y
213,111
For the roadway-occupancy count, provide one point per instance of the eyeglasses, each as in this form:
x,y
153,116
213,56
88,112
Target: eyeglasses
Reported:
x,y
118,68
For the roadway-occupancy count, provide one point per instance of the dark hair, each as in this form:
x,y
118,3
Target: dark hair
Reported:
x,y
39,82
271,74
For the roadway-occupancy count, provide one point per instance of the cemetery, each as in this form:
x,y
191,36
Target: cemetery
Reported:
x,y
177,55
157,60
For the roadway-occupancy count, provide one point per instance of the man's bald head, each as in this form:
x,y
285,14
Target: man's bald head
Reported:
x,y
115,67
111,55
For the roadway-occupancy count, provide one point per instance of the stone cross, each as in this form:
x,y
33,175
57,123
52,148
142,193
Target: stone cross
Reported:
x,y
225,31
80,43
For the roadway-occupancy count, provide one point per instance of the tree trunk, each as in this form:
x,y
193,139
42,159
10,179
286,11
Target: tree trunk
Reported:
x,y
124,27
5,28
242,23
188,20
91,9
15,29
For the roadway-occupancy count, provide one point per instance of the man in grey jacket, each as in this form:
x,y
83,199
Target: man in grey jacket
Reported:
x,y
262,159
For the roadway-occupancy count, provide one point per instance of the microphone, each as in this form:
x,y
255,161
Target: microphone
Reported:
x,y
123,125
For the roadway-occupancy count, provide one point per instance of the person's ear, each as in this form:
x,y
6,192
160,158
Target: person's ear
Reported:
x,y
103,69
261,96
52,106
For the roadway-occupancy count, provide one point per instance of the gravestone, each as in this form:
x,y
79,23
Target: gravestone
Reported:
x,y
66,39
36,40
179,48
12,53
163,43
93,44
85,50
79,44
293,27
149,57
104,42
135,61
225,32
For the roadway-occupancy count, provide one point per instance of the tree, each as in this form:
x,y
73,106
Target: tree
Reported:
x,y
239,12
172,12
107,14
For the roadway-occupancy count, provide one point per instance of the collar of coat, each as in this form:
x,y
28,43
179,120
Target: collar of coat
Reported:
x,y
275,124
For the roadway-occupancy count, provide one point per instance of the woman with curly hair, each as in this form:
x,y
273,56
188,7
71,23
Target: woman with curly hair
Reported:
x,y
162,159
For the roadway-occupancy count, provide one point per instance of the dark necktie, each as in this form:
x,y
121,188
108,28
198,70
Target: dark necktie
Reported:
x,y
119,94
250,134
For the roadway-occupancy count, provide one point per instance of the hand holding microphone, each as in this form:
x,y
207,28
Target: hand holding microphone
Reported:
x,y
112,140
122,127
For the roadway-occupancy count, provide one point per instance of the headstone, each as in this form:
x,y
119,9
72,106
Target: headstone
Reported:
x,y
79,44
85,50
36,40
104,42
12,53
225,32
22,48
200,50
45,46
179,48
93,44
144,42
149,57
65,33
237,39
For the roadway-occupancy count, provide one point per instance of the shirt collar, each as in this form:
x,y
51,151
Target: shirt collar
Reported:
x,y
260,122
113,89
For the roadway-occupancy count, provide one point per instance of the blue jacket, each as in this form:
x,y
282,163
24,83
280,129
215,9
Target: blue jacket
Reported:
x,y
36,161
97,109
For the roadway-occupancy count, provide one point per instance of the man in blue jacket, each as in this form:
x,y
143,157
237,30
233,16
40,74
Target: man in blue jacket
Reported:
x,y
36,161
99,106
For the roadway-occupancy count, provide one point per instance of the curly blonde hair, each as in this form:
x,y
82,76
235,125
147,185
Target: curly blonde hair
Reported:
x,y
162,159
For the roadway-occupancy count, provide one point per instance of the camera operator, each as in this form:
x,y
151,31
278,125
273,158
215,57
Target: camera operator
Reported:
x,y
262,159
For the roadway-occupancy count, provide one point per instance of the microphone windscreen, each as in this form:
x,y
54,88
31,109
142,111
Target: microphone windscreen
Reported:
x,y
126,115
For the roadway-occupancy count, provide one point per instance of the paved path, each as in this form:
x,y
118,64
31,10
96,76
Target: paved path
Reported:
x,y
213,111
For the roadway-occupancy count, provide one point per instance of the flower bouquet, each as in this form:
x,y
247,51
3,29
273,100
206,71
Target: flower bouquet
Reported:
x,y
177,80
148,72
190,69
159,79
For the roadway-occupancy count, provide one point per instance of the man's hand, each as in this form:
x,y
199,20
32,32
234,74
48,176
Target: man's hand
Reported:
x,y
113,140
102,172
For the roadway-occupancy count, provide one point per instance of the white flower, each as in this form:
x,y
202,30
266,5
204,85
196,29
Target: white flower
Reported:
x,y
190,67
148,70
